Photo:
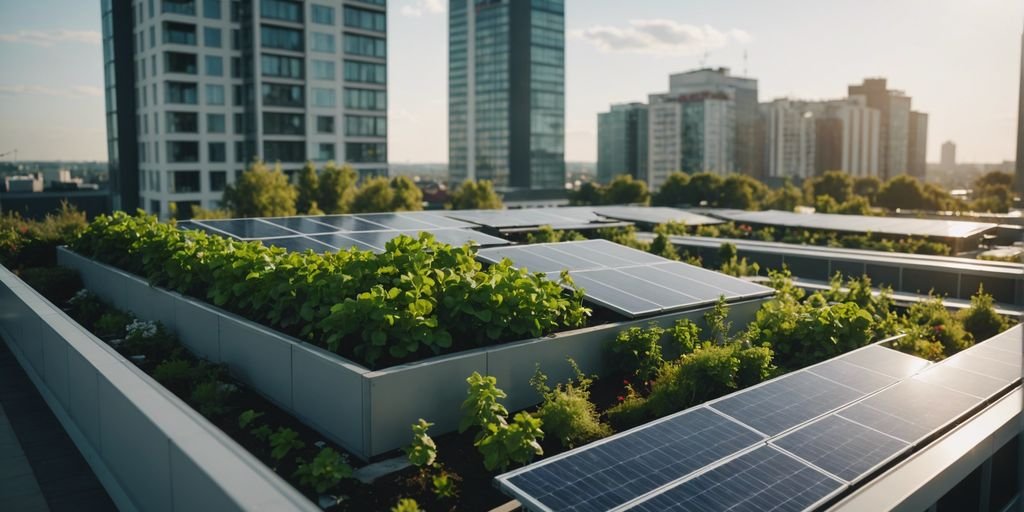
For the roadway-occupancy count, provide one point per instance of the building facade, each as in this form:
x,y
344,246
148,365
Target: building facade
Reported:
x,y
216,84
917,144
622,142
789,144
948,160
1020,125
506,93
895,109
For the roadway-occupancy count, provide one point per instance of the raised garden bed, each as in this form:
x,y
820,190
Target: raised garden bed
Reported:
x,y
366,411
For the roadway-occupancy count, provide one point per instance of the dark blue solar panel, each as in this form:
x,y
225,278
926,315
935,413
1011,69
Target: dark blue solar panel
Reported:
x,y
886,360
565,258
396,221
342,242
348,223
298,244
521,258
303,225
1006,370
764,479
786,402
841,447
703,287
910,410
613,298
967,382
857,377
606,474
247,228
189,225
460,237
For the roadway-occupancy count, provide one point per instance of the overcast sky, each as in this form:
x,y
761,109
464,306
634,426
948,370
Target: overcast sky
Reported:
x,y
958,59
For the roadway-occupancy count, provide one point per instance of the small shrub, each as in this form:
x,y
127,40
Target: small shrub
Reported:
x,y
422,452
444,486
406,505
661,246
86,308
686,335
58,284
930,321
981,319
112,324
325,472
717,321
629,412
176,375
707,373
284,441
481,408
637,351
567,412
246,418
210,398
498,441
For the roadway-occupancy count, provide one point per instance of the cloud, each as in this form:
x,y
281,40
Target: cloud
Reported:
x,y
420,7
660,37
50,38
74,91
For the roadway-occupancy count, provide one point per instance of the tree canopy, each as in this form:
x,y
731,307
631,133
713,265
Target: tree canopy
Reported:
x,y
261,192
337,187
475,195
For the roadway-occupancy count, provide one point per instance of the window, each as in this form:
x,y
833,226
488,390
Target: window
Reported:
x,y
360,152
366,126
236,39
215,123
218,181
323,42
186,93
365,72
325,124
217,152
363,99
214,65
179,151
236,67
283,124
282,95
239,123
365,46
282,38
323,70
187,7
326,152
211,9
277,65
152,36
365,19
214,94
281,10
323,97
279,151
211,37
182,122
179,33
154,205
185,182
323,14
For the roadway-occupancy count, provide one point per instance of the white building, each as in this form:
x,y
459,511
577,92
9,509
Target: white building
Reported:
x,y
217,83
789,147
849,137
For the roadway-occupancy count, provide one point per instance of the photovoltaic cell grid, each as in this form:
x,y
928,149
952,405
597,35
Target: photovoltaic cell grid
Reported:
x,y
328,233
579,217
897,226
898,401
655,215
628,281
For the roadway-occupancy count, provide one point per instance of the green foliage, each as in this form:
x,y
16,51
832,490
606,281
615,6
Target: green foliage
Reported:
x,y
674,191
906,192
622,236
326,471
836,185
663,247
993,198
261,192
589,193
444,486
406,505
717,321
86,308
932,331
637,351
630,411
308,189
867,187
112,324
981,319
283,441
246,418
262,433
211,397
855,206
32,243
55,283
176,375
785,198
546,235
733,265
336,188
481,407
741,192
686,335
623,189
383,195
199,213
504,444
567,412
475,195
703,188
422,452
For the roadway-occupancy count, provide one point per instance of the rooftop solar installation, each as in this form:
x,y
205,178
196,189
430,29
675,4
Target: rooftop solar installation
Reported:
x,y
911,410
654,215
328,233
629,281
527,217
895,226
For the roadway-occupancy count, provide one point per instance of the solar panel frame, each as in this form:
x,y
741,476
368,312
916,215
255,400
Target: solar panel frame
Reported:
x,y
886,361
655,215
964,381
240,228
898,226
303,225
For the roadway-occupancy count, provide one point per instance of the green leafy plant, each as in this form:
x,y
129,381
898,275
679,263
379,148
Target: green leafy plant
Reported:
x,y
262,433
247,417
638,351
406,505
176,375
567,412
112,324
210,398
499,442
717,321
283,441
481,406
928,326
422,452
981,319
686,335
55,283
444,486
325,472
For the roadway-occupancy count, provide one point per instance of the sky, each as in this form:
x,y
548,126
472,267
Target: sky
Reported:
x,y
958,59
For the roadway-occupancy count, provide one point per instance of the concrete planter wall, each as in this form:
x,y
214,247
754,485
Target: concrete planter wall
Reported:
x,y
149,449
368,412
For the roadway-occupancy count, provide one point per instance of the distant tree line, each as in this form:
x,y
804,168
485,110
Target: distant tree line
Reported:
x,y
831,192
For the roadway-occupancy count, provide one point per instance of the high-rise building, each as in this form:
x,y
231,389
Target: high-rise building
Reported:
x,y
1020,125
506,90
196,89
789,144
948,160
895,126
622,142
917,144
848,137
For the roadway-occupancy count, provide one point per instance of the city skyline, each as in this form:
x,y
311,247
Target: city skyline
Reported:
x,y
615,53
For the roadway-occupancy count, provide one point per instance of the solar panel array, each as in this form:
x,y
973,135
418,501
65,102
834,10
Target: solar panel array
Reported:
x,y
792,443
896,226
655,215
529,217
327,233
628,281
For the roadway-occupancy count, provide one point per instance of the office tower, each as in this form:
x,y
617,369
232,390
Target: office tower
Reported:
x,y
216,84
847,136
895,127
1020,125
948,160
119,75
917,144
622,142
789,144
506,89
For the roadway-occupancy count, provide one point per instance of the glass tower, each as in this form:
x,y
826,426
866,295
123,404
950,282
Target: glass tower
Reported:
x,y
506,80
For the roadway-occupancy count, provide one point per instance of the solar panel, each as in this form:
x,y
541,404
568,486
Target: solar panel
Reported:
x,y
853,376
886,361
898,226
298,244
396,221
625,280
348,223
438,220
500,219
964,381
245,228
911,410
343,243
763,479
187,225
608,473
302,225
785,402
655,215
841,447
1011,340
1007,370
